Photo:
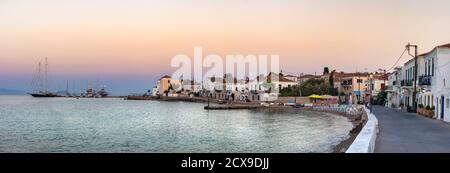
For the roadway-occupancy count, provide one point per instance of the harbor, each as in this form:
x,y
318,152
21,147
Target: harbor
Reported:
x,y
117,125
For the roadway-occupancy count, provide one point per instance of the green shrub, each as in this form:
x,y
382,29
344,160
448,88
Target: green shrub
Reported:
x,y
427,108
420,105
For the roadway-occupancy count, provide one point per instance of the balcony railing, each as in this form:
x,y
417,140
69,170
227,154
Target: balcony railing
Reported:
x,y
425,80
389,88
346,83
406,83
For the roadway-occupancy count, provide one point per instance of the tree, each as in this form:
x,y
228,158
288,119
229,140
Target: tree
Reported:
x,y
380,99
309,87
331,78
326,71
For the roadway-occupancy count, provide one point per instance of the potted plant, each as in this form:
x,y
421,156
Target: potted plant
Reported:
x,y
432,111
420,109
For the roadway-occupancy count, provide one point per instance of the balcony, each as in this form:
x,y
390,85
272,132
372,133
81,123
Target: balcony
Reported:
x,y
389,88
425,80
406,83
254,91
346,83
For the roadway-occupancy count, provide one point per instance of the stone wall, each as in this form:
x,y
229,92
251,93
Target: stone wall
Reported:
x,y
300,100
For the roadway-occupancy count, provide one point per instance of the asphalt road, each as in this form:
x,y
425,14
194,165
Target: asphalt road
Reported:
x,y
402,132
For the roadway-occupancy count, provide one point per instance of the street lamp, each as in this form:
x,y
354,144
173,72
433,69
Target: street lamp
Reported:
x,y
370,91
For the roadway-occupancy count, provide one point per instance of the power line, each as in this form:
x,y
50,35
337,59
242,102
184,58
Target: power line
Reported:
x,y
397,60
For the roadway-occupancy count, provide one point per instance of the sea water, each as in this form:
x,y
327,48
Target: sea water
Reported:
x,y
115,125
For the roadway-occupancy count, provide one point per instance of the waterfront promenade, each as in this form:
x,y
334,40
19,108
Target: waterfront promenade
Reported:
x,y
402,132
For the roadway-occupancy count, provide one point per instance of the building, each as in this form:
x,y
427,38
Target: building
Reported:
x,y
353,89
291,77
357,88
407,82
190,87
393,88
280,81
436,89
303,78
166,86
433,92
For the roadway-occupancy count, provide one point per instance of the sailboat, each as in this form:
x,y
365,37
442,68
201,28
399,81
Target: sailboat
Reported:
x,y
40,83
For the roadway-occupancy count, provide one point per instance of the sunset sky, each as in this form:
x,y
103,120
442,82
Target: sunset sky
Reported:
x,y
128,44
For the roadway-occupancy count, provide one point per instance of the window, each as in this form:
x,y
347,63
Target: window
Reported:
x,y
407,74
429,67
432,67
426,68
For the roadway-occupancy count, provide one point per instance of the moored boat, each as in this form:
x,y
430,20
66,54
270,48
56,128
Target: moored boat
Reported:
x,y
40,83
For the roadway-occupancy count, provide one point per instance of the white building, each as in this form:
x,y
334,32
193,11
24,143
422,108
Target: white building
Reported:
x,y
407,82
393,88
291,77
433,90
436,79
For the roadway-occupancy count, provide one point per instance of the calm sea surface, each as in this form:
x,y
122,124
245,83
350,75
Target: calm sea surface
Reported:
x,y
113,125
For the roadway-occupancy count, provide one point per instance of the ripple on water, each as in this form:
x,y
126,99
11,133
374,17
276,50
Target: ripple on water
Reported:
x,y
114,125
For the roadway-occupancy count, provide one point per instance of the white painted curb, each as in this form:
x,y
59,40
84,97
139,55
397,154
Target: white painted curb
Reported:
x,y
365,141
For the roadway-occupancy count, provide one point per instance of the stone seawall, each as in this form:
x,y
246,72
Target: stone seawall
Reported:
x,y
365,141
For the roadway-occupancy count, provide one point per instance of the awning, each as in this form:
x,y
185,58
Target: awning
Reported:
x,y
314,96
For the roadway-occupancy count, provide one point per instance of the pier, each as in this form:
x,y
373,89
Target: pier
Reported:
x,y
229,107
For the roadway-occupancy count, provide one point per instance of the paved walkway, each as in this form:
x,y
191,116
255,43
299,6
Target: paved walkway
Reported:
x,y
402,132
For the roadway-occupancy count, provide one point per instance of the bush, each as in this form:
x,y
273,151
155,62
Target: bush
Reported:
x,y
427,108
380,99
433,108
420,105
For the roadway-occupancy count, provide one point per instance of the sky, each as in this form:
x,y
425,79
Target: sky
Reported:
x,y
127,45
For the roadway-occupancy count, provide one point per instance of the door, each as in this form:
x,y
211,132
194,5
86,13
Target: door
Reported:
x,y
442,107
437,108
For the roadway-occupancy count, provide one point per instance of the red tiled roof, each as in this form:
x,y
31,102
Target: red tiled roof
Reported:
x,y
282,79
308,76
165,76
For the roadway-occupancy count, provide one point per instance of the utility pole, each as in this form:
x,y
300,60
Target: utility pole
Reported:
x,y
384,80
415,74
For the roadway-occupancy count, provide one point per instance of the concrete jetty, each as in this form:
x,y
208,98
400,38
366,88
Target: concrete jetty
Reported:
x,y
224,107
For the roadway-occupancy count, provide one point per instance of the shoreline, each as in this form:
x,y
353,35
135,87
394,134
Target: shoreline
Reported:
x,y
358,123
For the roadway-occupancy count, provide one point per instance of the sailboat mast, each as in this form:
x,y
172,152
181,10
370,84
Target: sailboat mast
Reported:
x,y
45,76
39,77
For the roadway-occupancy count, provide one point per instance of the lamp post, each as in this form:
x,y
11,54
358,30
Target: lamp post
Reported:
x,y
370,91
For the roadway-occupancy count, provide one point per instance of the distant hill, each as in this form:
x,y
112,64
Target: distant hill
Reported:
x,y
4,91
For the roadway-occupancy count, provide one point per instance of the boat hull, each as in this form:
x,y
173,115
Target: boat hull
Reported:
x,y
42,95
